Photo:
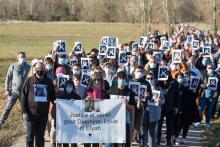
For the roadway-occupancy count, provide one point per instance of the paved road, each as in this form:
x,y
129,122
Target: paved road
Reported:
x,y
195,138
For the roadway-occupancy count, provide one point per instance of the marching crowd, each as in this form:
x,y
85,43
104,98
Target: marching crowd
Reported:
x,y
175,97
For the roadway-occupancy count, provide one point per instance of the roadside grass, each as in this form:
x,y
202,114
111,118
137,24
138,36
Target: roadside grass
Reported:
x,y
213,134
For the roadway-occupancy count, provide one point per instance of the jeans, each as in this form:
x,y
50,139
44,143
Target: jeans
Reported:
x,y
169,125
11,101
148,134
35,131
209,102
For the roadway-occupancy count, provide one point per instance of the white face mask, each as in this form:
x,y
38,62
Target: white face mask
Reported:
x,y
76,72
21,60
139,75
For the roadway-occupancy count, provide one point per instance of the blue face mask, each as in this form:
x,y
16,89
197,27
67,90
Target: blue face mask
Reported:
x,y
151,82
122,82
69,90
205,62
49,67
62,61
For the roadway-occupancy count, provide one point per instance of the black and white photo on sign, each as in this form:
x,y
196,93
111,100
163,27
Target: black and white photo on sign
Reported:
x,y
207,51
77,47
150,46
212,83
143,89
40,93
163,73
166,45
135,87
61,80
195,44
194,82
143,40
177,56
122,59
85,80
113,41
162,39
111,52
154,100
60,46
158,55
104,40
189,38
102,49
85,63
135,46
73,62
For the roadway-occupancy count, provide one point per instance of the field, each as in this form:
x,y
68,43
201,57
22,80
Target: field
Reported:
x,y
36,40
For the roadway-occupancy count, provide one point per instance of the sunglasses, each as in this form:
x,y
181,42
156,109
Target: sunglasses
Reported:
x,y
149,78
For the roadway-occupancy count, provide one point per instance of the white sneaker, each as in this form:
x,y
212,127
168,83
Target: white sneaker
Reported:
x,y
178,141
198,125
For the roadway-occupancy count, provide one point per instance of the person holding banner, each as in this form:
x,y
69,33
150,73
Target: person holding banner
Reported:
x,y
80,90
152,113
128,96
96,91
209,93
68,94
37,93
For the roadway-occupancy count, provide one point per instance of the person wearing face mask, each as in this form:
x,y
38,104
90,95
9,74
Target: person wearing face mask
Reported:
x,y
80,90
109,73
15,78
139,76
76,69
153,66
96,91
68,94
187,110
37,93
133,62
63,62
48,61
152,114
121,89
170,108
208,95
192,66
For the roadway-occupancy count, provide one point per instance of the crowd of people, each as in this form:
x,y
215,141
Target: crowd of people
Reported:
x,y
179,97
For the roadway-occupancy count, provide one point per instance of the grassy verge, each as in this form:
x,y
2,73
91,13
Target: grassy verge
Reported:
x,y
213,134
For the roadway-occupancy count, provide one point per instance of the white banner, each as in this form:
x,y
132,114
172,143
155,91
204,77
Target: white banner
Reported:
x,y
79,121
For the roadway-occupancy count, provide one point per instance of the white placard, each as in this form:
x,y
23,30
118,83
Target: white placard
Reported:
x,y
85,64
194,82
85,79
163,73
135,87
60,47
111,52
143,89
207,51
122,58
82,121
61,81
78,48
143,40
177,56
40,93
212,83
195,44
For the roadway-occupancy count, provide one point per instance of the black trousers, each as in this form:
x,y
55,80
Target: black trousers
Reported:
x,y
35,131
169,125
